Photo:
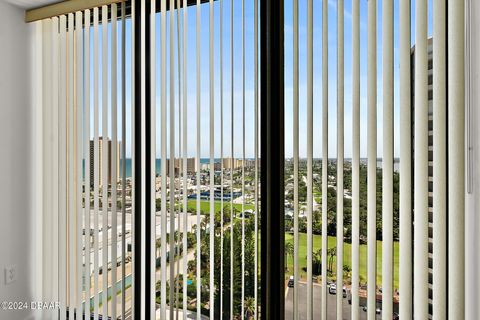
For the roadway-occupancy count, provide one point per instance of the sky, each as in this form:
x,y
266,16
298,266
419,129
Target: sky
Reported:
x,y
248,92
332,76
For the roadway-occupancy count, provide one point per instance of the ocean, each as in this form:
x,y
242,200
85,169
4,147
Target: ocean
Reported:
x,y
158,165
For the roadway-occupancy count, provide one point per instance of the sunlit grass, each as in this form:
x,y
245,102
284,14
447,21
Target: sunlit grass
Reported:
x,y
347,257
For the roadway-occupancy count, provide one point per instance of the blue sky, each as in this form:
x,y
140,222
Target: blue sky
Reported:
x,y
249,76
332,79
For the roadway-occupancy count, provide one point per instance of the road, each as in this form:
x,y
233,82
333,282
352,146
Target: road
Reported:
x,y
331,304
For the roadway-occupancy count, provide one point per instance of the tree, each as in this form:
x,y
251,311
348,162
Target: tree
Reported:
x,y
317,262
302,224
332,253
302,191
249,307
317,222
347,270
288,252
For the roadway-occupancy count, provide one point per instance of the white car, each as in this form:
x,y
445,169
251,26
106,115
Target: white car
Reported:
x,y
332,289
291,282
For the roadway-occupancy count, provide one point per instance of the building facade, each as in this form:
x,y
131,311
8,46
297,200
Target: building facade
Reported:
x,y
104,149
178,165
430,161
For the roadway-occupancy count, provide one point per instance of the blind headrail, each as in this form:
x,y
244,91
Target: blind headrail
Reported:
x,y
64,7
71,6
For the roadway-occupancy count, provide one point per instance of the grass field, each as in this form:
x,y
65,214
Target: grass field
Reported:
x,y
205,206
347,247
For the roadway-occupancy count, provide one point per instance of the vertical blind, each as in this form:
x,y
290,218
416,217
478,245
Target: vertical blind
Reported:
x,y
429,75
87,212
201,214
204,201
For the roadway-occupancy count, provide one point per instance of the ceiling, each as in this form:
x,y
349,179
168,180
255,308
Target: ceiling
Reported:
x,y
30,4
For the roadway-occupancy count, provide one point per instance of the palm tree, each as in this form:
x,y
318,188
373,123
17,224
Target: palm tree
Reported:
x,y
288,252
249,307
332,252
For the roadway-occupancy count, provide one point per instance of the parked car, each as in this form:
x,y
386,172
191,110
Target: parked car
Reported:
x,y
332,289
291,282
377,310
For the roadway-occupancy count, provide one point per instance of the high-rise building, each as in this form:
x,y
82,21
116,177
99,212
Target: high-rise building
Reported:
x,y
229,163
430,160
101,154
178,163
237,163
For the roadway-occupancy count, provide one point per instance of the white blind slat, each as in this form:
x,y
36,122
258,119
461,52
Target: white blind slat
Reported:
x,y
62,115
405,263
295,157
96,168
340,153
309,158
104,155
185,149
180,162
372,157
212,169
256,110
355,158
198,96
324,155
440,162
172,159
387,161
78,33
71,163
46,116
113,160
153,150
232,153
55,155
163,127
144,175
456,158
86,149
221,292
124,160
133,146
420,274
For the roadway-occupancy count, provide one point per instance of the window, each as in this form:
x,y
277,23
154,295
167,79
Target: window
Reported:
x,y
185,176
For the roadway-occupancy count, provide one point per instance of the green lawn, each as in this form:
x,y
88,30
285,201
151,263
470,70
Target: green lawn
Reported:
x,y
347,247
205,206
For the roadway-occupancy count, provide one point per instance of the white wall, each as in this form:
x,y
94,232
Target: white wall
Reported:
x,y
472,219
16,157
